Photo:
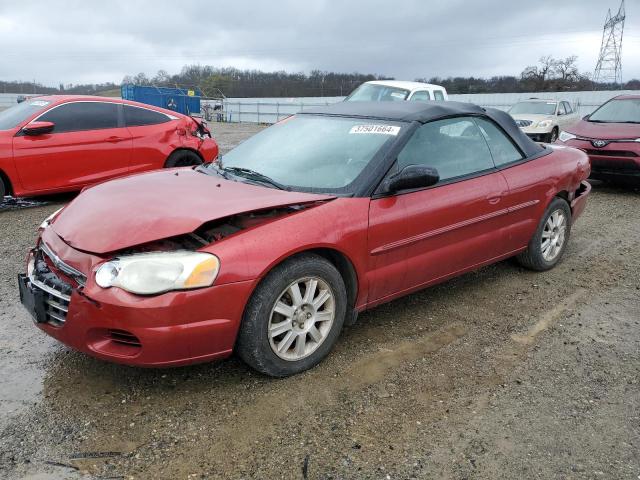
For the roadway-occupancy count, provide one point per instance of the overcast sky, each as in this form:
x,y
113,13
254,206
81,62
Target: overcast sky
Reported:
x,y
94,42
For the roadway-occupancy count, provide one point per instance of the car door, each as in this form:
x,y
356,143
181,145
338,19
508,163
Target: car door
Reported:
x,y
88,144
561,116
152,137
571,117
529,183
420,237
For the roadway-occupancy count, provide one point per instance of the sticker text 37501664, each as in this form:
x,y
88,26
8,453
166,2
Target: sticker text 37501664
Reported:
x,y
378,129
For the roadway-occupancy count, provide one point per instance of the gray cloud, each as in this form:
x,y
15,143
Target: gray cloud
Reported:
x,y
77,42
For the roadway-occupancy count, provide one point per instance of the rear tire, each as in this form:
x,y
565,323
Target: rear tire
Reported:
x,y
3,189
294,317
548,244
183,158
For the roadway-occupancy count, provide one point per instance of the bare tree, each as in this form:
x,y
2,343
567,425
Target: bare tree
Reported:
x,y
566,69
538,77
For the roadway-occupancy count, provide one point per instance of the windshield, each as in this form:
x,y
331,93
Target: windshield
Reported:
x,y
14,116
618,111
533,108
314,153
369,92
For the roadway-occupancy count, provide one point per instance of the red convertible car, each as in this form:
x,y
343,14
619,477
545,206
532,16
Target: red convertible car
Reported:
x,y
64,143
271,249
611,138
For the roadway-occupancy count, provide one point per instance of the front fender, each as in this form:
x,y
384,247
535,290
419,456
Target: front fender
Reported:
x,y
340,225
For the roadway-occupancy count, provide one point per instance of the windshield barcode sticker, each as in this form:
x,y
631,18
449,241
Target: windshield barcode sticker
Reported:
x,y
379,129
39,103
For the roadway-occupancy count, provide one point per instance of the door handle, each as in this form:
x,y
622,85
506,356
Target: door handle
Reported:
x,y
115,139
495,199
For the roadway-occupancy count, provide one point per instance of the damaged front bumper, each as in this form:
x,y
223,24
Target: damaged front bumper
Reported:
x,y
175,328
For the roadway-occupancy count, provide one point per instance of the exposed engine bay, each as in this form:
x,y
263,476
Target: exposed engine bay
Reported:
x,y
216,230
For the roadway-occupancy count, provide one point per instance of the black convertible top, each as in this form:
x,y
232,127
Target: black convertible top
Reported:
x,y
427,111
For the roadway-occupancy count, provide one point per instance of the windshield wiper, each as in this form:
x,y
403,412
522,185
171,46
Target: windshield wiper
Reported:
x,y
253,175
210,169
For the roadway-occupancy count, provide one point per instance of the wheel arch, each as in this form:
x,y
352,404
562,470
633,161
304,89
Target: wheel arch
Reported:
x,y
337,258
348,272
182,149
7,182
564,194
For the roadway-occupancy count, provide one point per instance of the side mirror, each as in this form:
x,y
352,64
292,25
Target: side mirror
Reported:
x,y
412,176
38,128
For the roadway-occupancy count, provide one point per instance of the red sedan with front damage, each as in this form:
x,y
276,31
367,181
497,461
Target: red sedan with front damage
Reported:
x,y
273,248
611,138
63,143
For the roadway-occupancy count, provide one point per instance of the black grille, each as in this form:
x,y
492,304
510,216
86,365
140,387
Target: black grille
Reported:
x,y
611,164
523,123
57,293
124,338
611,153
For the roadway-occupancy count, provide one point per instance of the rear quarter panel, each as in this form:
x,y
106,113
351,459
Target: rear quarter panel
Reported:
x,y
537,182
152,144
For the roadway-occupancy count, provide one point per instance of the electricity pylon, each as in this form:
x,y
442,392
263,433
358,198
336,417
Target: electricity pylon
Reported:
x,y
609,66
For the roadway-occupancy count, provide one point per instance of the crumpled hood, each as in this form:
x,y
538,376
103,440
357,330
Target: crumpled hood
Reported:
x,y
152,206
606,131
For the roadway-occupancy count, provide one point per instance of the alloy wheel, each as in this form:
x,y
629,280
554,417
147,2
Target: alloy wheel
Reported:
x,y
301,318
553,235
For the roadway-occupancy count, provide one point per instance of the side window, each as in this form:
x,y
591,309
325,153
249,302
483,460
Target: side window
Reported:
x,y
134,116
561,110
438,94
422,96
79,116
455,147
502,148
567,107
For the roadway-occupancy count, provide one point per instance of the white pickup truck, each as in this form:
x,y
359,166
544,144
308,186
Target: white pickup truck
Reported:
x,y
393,90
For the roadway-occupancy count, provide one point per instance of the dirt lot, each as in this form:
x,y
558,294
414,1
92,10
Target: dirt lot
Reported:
x,y
502,373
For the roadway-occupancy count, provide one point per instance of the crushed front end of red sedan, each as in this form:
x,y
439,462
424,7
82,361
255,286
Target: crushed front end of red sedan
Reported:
x,y
270,250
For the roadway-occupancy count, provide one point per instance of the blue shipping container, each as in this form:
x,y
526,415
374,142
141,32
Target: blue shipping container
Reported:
x,y
179,100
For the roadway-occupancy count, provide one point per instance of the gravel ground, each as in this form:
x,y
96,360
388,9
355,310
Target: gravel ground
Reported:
x,y
501,373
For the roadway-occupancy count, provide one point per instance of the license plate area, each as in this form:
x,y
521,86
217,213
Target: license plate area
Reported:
x,y
33,299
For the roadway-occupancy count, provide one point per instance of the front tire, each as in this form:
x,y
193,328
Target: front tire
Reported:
x,y
548,244
294,317
183,158
553,135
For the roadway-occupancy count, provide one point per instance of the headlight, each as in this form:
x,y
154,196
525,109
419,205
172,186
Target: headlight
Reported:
x,y
49,219
544,123
153,273
566,136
